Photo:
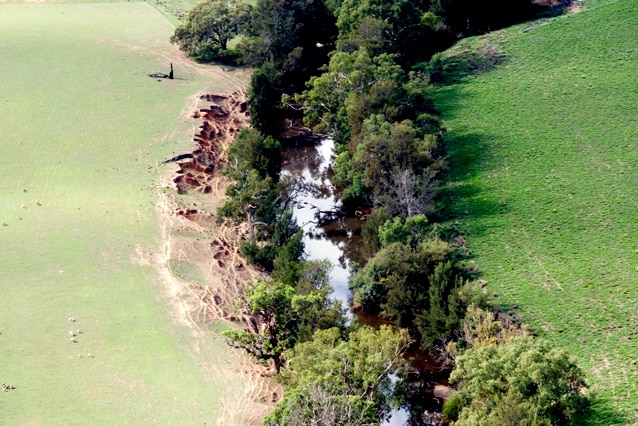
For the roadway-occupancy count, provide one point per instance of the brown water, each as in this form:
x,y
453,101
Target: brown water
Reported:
x,y
336,237
333,237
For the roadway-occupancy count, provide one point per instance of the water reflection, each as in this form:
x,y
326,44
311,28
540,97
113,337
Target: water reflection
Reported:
x,y
328,234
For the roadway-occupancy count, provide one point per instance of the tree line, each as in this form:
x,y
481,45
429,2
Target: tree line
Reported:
x,y
360,71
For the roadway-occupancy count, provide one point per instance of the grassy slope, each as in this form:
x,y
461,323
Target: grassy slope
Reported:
x,y
545,170
82,130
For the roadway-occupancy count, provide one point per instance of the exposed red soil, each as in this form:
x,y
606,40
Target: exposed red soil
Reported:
x,y
218,258
213,256
221,121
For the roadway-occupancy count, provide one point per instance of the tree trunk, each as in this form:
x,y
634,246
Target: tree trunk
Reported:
x,y
251,226
276,363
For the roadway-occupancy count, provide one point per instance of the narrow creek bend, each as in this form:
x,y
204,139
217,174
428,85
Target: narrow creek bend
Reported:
x,y
330,234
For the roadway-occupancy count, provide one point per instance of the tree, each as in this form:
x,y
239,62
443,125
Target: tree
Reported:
x,y
351,373
283,253
409,30
251,150
370,232
348,75
283,317
523,381
288,41
370,34
411,231
264,100
297,36
350,181
420,288
408,194
210,26
314,275
480,327
251,197
287,264
322,402
392,154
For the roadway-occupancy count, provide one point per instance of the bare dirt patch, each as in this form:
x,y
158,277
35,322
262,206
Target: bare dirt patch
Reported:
x,y
208,249
216,255
574,8
221,120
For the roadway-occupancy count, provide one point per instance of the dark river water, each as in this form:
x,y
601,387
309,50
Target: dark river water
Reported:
x,y
338,240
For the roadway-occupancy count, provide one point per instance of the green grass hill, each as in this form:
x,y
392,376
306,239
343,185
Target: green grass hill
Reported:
x,y
84,132
543,132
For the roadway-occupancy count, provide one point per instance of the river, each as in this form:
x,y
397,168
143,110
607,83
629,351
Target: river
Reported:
x,y
338,240
335,240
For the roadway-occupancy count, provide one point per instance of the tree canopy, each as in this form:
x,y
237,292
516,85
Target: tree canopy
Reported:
x,y
421,288
210,26
523,381
358,70
347,381
284,318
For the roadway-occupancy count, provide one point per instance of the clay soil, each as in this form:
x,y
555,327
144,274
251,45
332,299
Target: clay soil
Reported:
x,y
203,264
216,255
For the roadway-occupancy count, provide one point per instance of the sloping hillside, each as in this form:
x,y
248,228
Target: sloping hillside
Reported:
x,y
544,165
93,325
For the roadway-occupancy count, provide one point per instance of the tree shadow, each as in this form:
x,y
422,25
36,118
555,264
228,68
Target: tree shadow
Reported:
x,y
456,68
469,153
603,414
463,199
478,52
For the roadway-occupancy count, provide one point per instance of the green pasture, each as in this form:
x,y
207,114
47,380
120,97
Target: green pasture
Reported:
x,y
544,160
83,129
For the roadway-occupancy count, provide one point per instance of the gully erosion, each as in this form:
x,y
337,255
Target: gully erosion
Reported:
x,y
328,232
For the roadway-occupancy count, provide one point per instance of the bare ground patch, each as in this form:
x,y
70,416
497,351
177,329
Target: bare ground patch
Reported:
x,y
192,236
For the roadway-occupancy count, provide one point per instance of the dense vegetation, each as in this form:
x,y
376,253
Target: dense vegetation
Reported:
x,y
209,27
366,82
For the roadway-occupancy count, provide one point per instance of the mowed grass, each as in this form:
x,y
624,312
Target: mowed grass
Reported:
x,y
544,159
82,131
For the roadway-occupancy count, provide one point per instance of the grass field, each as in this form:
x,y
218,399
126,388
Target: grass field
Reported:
x,y
83,131
544,160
